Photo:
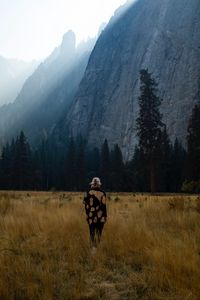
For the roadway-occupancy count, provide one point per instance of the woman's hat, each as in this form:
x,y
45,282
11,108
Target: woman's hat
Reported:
x,y
95,181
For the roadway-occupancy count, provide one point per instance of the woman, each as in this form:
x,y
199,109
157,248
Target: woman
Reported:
x,y
95,208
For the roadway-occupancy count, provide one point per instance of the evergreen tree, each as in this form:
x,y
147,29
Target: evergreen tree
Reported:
x,y
71,172
105,164
44,165
137,169
42,161
149,124
12,150
53,158
165,166
193,145
92,163
22,169
81,164
5,168
177,166
37,172
116,169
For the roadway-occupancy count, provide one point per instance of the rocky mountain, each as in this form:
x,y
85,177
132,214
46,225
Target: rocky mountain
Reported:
x,y
161,35
13,74
46,95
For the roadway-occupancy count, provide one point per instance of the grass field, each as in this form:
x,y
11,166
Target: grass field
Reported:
x,y
150,248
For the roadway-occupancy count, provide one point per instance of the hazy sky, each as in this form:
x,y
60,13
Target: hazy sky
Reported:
x,y
31,29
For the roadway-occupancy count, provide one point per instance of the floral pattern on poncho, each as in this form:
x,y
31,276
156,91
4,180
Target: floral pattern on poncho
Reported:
x,y
95,206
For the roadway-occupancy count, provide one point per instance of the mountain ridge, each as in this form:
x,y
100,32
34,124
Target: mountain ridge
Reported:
x,y
47,92
148,35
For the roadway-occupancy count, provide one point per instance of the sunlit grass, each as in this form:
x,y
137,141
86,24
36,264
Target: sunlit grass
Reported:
x,y
150,248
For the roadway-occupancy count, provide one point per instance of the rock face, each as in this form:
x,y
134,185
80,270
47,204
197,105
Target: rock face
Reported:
x,y
161,35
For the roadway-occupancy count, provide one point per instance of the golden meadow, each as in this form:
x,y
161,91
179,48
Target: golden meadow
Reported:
x,y
150,248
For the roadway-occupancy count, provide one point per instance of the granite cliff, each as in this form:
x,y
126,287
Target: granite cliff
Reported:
x,y
161,35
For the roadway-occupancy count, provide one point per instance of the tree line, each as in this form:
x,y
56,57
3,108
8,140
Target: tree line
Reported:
x,y
157,165
50,166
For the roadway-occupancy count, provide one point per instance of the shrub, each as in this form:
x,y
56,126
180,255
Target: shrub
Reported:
x,y
190,186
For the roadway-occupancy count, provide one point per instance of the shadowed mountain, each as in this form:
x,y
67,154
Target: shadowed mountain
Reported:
x,y
161,35
46,95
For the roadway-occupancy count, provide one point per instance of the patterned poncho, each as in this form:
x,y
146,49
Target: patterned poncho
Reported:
x,y
95,206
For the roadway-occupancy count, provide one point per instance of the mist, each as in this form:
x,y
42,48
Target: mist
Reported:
x,y
39,28
31,29
13,74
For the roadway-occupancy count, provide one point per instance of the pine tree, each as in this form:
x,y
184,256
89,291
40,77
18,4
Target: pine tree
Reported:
x,y
116,169
5,168
93,162
165,166
193,145
12,150
105,164
178,166
37,175
138,170
149,124
71,165
22,169
80,164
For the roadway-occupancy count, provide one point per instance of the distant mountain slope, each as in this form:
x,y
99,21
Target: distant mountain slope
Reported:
x,y
46,95
13,74
161,35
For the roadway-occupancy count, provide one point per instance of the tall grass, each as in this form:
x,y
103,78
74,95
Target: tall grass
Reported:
x,y
150,248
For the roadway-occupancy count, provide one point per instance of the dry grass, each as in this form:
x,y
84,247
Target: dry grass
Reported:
x,y
150,248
